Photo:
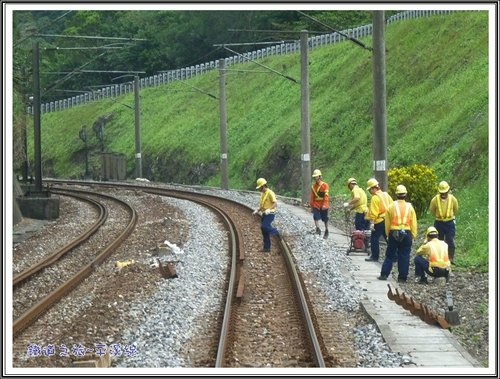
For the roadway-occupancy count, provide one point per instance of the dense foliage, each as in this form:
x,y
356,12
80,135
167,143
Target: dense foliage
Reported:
x,y
148,41
437,116
420,182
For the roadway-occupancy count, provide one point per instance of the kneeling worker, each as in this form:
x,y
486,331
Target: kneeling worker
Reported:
x,y
432,257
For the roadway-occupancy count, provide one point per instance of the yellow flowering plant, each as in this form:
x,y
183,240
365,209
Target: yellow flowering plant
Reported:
x,y
420,182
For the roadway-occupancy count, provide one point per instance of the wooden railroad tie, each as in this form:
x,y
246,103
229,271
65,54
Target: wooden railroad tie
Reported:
x,y
102,361
241,286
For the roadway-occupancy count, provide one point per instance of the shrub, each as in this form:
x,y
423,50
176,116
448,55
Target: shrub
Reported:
x,y
420,182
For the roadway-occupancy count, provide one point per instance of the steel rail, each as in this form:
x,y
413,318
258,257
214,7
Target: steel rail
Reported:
x,y
103,215
315,345
304,309
27,318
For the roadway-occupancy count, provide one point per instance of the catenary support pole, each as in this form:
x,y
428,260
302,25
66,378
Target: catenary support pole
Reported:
x,y
36,117
223,125
379,101
305,117
138,153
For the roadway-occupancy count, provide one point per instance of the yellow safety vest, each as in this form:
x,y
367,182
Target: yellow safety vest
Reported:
x,y
448,214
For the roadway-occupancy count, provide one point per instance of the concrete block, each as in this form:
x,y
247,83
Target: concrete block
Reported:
x,y
39,207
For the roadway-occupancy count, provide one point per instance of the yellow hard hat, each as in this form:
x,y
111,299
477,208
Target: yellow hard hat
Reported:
x,y
401,190
260,182
371,183
431,230
351,180
316,173
443,187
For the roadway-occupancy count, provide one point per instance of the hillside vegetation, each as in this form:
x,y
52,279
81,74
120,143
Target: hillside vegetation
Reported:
x,y
437,115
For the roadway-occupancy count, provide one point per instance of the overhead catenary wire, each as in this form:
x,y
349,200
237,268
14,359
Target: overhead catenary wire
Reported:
x,y
91,37
199,90
356,41
71,74
32,34
276,31
260,64
196,88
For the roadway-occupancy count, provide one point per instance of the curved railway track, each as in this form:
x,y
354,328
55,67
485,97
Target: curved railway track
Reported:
x,y
288,296
47,261
42,305
265,302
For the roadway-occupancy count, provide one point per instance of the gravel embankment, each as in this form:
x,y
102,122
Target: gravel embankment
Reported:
x,y
173,314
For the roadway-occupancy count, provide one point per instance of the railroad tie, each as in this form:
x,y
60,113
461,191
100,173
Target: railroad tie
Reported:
x,y
241,286
102,361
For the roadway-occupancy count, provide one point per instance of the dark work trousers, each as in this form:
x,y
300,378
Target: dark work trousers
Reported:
x,y
422,266
446,233
360,223
374,240
267,229
398,251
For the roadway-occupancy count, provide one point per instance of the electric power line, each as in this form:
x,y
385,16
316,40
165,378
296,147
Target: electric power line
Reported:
x,y
32,34
356,41
260,64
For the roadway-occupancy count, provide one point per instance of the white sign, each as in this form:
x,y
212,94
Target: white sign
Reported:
x,y
223,156
138,155
379,165
306,158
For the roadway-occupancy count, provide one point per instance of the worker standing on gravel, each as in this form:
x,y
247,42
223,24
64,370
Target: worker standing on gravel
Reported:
x,y
267,209
320,202
401,230
376,214
432,258
358,203
444,207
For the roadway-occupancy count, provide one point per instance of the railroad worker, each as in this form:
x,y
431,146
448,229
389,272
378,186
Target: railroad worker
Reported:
x,y
267,210
401,229
432,257
379,203
320,202
358,203
444,207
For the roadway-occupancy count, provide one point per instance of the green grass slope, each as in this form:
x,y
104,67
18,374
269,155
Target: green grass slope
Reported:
x,y
437,114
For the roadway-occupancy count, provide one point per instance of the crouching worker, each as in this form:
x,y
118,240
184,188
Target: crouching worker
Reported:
x,y
432,257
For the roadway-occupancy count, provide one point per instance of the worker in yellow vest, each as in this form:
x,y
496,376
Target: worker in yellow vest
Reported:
x,y
444,207
359,204
401,230
432,258
267,209
379,203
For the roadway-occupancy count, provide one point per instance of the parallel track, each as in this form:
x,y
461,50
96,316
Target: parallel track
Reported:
x,y
28,317
235,278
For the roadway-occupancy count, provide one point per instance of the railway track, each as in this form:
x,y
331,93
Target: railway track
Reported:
x,y
72,271
47,261
266,320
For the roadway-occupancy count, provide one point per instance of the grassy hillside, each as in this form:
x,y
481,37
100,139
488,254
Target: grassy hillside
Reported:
x,y
437,114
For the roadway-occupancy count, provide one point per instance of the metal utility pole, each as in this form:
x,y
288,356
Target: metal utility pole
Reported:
x,y
138,158
84,137
379,102
36,117
305,117
25,165
223,125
